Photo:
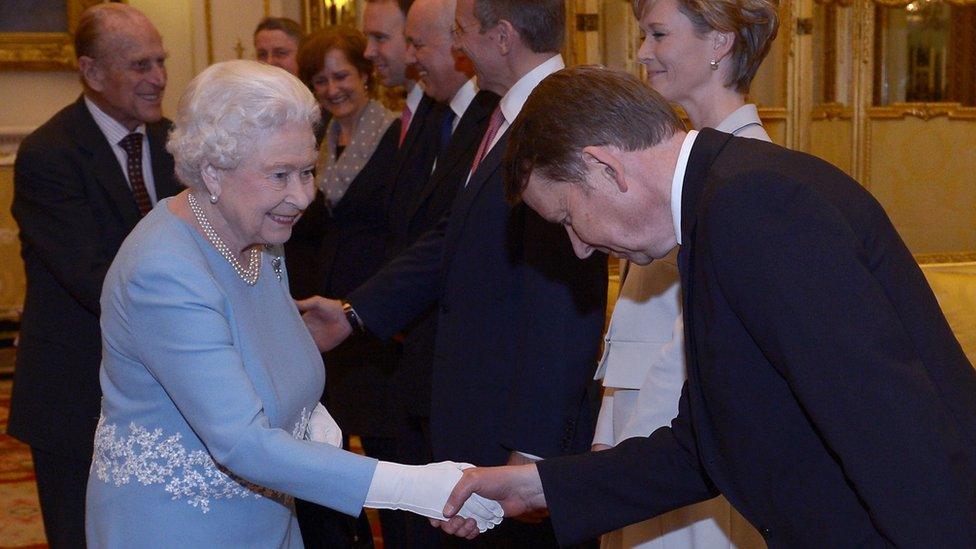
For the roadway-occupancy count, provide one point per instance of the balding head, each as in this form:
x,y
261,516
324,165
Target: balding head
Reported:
x,y
430,49
100,25
438,14
121,62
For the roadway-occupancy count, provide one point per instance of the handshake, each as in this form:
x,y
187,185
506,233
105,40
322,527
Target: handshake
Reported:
x,y
421,489
460,499
462,503
425,489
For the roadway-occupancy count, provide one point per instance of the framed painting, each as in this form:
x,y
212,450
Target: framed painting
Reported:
x,y
37,34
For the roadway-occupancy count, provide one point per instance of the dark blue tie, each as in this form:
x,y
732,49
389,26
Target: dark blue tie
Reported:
x,y
446,127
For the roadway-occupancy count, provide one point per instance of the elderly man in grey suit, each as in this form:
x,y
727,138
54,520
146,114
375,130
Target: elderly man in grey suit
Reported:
x,y
81,182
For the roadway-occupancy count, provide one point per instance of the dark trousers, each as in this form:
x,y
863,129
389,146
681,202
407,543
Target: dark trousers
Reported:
x,y
61,485
514,534
324,528
413,448
392,523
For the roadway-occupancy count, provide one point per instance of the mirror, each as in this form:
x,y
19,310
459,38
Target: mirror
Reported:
x,y
925,52
833,64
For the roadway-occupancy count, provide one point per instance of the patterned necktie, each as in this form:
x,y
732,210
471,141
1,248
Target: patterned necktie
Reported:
x,y
496,122
132,144
405,117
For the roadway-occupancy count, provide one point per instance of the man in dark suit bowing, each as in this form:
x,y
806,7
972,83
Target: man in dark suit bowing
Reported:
x,y
827,398
81,182
519,318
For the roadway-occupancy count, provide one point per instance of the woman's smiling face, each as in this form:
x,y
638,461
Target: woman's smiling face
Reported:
x,y
676,57
260,200
339,86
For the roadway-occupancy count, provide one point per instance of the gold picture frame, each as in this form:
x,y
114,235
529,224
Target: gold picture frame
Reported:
x,y
43,50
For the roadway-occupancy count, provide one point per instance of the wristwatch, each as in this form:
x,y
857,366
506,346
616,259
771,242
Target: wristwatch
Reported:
x,y
353,318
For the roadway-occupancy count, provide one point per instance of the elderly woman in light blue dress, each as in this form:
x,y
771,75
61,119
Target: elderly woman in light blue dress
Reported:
x,y
210,419
702,55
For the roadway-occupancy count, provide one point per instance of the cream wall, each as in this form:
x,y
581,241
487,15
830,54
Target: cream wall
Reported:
x,y
924,174
28,99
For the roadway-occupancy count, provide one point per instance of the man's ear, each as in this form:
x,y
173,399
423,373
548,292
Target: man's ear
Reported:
x,y
506,36
91,73
608,163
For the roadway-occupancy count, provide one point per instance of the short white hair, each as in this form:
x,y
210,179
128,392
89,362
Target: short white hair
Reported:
x,y
227,108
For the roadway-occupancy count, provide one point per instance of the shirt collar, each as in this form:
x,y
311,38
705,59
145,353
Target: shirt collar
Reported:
x,y
111,128
678,181
414,97
463,98
511,104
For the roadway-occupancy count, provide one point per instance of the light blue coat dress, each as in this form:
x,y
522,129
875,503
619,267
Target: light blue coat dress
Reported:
x,y
208,387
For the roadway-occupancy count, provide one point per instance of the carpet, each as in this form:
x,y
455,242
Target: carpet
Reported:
x,y
20,514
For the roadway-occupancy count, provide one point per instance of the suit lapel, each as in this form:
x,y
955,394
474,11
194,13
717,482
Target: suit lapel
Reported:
x,y
164,176
466,137
708,145
419,119
107,170
706,149
467,196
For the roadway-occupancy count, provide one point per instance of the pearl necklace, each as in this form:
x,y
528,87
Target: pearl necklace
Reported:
x,y
249,275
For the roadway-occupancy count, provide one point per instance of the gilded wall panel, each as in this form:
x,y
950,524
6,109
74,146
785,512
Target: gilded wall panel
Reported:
x,y
777,130
831,139
12,283
922,173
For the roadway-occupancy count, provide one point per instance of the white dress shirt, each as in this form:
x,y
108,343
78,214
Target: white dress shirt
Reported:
x,y
115,132
414,96
462,100
512,102
678,181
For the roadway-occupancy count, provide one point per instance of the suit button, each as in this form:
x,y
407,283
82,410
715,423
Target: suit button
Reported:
x,y
766,532
445,309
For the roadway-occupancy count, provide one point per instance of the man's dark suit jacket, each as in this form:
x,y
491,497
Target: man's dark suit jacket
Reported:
x,y
74,208
428,207
827,398
518,327
411,169
355,233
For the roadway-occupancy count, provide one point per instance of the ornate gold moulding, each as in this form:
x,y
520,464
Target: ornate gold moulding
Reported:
x,y
949,257
924,111
36,51
832,111
43,50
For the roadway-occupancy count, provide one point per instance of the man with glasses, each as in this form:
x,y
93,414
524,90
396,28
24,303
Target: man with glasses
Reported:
x,y
507,386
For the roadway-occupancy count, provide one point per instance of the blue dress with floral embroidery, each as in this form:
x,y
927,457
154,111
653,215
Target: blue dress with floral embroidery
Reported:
x,y
208,385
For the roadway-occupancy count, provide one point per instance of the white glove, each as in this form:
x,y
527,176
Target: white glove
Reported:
x,y
424,489
322,428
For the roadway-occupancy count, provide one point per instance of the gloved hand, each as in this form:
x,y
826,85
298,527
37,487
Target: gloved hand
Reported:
x,y
322,428
423,489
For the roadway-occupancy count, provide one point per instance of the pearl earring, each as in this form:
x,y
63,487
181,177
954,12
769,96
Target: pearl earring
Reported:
x,y
713,63
213,199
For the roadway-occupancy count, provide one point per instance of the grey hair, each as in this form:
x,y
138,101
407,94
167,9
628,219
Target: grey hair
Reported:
x,y
227,108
